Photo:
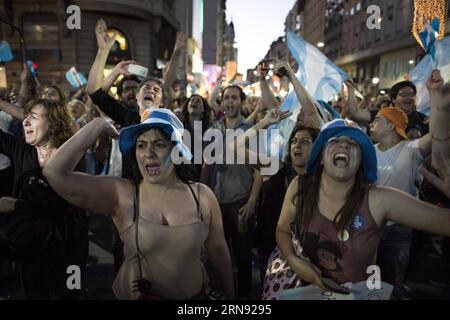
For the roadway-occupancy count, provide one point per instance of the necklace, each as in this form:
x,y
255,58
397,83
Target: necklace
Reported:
x,y
43,156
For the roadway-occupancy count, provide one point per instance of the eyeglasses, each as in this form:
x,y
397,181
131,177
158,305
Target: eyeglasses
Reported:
x,y
407,94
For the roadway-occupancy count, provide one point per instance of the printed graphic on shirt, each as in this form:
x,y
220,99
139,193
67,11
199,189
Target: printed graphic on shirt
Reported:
x,y
325,254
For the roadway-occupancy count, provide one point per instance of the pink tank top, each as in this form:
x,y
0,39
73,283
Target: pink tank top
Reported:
x,y
343,258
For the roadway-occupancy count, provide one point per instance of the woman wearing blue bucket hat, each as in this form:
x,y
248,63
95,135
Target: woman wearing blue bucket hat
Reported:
x,y
337,213
163,220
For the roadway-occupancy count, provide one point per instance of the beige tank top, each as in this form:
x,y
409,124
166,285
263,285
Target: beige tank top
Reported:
x,y
171,258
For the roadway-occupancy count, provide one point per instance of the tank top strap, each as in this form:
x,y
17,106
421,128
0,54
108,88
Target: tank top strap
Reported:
x,y
197,202
136,202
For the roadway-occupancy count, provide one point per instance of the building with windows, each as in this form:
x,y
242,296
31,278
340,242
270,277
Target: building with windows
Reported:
x,y
146,33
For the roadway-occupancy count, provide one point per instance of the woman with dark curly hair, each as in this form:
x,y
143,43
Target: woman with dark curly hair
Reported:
x,y
39,229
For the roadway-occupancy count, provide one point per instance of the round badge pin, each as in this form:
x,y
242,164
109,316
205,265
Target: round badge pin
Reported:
x,y
358,222
343,235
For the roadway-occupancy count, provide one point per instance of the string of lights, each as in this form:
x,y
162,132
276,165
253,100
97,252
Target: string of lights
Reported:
x,y
428,9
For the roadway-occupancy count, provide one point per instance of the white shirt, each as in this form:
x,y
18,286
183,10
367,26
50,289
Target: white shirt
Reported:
x,y
398,167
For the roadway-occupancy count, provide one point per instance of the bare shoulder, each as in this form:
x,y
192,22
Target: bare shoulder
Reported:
x,y
293,190
293,185
207,199
125,190
204,190
380,202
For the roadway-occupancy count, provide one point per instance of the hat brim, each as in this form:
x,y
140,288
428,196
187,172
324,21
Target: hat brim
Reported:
x,y
128,136
401,133
368,158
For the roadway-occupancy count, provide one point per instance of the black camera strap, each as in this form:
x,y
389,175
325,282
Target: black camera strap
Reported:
x,y
136,220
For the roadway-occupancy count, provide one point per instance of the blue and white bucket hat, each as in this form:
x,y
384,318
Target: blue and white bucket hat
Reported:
x,y
339,128
160,118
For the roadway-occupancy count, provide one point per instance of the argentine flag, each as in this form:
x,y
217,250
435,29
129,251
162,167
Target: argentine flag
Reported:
x,y
321,78
422,71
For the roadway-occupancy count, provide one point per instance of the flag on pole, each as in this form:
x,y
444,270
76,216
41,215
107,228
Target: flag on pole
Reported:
x,y
5,52
76,79
320,77
422,71
429,35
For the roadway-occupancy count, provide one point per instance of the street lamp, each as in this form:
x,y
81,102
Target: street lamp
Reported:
x,y
22,39
375,80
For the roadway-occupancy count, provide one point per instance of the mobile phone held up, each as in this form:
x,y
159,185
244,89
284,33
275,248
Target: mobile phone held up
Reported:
x,y
138,70
334,286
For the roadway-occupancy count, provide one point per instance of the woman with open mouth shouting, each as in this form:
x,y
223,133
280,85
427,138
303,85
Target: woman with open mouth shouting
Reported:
x,y
39,229
338,214
163,219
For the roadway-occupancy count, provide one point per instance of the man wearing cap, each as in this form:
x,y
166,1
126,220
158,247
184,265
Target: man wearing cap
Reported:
x,y
403,97
398,167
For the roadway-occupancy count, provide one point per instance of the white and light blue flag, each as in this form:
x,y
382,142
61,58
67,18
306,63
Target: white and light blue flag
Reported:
x,y
321,78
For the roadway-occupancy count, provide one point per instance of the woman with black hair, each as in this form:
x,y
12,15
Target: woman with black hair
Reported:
x,y
196,114
338,215
163,220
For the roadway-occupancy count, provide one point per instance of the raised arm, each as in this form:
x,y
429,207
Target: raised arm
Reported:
x,y
171,70
442,182
306,100
120,69
214,95
252,117
392,204
254,159
355,111
98,194
267,95
24,91
13,110
105,43
305,269
216,246
439,140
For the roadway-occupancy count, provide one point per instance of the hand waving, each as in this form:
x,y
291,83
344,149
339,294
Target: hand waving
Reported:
x,y
104,41
275,116
439,92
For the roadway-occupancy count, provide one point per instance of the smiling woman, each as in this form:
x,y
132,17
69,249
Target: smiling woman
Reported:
x,y
337,213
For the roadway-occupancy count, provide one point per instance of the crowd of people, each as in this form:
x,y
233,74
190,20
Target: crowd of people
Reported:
x,y
365,181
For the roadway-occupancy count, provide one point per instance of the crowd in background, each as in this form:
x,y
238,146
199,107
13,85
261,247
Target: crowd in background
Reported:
x,y
247,202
